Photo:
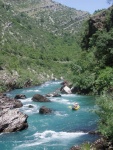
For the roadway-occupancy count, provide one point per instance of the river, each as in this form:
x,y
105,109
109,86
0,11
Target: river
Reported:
x,y
57,131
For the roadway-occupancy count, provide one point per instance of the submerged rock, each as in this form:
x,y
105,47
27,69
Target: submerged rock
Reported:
x,y
53,95
30,106
12,120
20,96
40,98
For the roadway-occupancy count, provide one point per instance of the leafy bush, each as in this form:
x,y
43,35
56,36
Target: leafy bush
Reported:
x,y
105,113
104,80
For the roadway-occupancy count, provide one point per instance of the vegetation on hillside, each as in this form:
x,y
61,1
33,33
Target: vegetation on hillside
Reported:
x,y
31,51
51,16
93,69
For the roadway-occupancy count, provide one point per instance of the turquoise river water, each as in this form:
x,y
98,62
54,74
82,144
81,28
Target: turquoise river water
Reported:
x,y
57,131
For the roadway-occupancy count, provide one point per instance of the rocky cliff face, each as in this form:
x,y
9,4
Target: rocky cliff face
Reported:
x,y
102,20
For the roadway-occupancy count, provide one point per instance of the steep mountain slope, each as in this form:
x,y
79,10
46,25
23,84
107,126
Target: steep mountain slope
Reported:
x,y
95,71
52,16
28,49
98,42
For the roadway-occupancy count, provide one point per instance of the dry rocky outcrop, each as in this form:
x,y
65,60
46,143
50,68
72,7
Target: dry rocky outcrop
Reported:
x,y
11,119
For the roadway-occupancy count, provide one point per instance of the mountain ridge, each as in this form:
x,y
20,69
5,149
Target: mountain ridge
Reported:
x,y
51,15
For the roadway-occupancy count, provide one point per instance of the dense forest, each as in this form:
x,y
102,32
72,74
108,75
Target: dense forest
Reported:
x,y
93,69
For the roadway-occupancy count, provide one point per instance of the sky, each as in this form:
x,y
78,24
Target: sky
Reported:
x,y
85,5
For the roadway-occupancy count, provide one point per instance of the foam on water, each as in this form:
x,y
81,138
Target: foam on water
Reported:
x,y
61,114
27,100
69,95
30,110
58,135
49,135
62,101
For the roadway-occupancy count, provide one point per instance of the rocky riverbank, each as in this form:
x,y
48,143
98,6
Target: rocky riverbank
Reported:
x,y
100,144
11,119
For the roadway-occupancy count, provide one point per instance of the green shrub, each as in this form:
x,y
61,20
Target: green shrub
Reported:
x,y
105,113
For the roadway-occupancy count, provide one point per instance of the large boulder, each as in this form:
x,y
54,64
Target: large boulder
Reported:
x,y
11,120
44,110
40,98
6,102
65,90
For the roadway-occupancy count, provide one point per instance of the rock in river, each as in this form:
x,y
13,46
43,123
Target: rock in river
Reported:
x,y
20,96
6,102
40,98
12,120
44,110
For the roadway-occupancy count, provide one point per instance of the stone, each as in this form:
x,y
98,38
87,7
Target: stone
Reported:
x,y
53,95
30,106
65,90
6,102
100,144
44,110
11,120
20,96
40,98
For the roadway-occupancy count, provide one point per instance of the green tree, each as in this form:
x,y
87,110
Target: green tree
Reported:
x,y
104,48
